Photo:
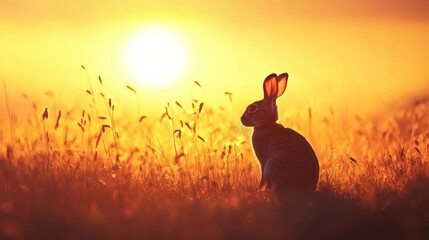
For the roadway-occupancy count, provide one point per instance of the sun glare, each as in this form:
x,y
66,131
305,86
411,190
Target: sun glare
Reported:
x,y
155,57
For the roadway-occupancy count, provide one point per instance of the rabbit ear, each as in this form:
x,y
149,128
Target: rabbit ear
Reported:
x,y
270,86
281,83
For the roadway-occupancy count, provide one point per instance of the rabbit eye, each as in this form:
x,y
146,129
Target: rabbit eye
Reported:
x,y
253,108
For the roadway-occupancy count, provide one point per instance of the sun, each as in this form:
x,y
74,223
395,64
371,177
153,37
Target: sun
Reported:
x,y
155,57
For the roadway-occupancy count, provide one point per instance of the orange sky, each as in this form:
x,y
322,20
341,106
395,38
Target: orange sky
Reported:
x,y
355,54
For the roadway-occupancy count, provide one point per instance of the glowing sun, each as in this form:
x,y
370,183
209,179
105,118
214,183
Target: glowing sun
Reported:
x,y
155,57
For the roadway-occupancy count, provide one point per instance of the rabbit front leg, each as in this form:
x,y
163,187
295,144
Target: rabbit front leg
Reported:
x,y
265,179
263,184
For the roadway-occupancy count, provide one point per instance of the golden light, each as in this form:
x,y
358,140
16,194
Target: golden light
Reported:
x,y
155,57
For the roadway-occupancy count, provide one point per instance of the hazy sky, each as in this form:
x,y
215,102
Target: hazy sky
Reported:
x,y
347,53
89,11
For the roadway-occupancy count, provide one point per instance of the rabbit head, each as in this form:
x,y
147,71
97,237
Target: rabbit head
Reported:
x,y
264,112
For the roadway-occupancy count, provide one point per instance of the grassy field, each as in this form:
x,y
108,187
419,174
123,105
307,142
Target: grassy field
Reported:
x,y
190,173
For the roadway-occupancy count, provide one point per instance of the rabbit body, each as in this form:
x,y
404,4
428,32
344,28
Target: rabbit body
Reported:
x,y
288,162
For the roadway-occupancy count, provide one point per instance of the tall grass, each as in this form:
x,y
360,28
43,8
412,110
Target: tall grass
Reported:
x,y
191,172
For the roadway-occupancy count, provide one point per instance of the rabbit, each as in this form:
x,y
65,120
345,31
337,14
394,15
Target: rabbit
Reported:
x,y
288,162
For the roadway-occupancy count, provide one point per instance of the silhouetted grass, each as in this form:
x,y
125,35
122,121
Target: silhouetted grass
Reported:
x,y
191,173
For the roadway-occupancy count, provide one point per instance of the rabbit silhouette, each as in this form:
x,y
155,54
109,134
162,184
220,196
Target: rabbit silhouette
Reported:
x,y
288,162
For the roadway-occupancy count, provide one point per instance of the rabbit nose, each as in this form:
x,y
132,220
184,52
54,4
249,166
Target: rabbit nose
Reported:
x,y
245,120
